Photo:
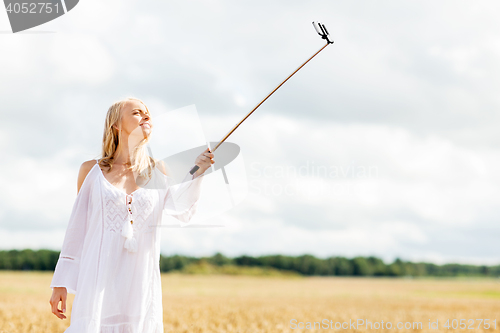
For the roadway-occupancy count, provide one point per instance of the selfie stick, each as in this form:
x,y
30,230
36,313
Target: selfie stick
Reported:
x,y
321,30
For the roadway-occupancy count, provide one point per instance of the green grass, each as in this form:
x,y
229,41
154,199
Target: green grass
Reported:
x,y
204,268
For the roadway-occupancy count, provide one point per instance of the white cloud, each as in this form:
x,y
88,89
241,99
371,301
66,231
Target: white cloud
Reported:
x,y
80,58
409,90
39,193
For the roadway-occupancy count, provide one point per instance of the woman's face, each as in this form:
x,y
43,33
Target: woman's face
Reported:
x,y
136,120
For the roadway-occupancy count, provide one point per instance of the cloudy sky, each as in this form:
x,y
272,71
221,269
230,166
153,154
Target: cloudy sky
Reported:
x,y
402,111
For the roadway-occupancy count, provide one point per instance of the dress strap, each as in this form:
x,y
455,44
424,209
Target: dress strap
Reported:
x,y
97,160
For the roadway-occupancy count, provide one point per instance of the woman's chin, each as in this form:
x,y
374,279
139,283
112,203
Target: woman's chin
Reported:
x,y
146,133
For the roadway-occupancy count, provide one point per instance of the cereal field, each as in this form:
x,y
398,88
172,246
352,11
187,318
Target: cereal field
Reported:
x,y
216,303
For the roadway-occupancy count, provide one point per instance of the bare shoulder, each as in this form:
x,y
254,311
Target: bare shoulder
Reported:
x,y
84,171
163,167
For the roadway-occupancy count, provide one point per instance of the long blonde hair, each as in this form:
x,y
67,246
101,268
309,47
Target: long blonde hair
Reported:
x,y
141,161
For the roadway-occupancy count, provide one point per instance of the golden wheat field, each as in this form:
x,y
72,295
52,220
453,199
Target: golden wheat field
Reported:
x,y
222,303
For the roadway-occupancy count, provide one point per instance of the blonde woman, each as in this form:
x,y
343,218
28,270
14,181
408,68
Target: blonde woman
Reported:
x,y
111,250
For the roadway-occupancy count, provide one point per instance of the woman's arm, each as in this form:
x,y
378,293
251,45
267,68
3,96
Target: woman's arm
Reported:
x,y
68,264
182,199
82,174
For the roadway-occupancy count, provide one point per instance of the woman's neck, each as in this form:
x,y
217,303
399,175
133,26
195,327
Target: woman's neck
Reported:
x,y
122,155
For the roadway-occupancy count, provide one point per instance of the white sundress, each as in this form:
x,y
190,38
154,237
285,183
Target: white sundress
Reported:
x,y
114,270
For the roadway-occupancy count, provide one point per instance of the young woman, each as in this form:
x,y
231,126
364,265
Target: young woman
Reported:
x,y
111,250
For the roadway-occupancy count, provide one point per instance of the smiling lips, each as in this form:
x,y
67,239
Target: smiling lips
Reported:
x,y
145,125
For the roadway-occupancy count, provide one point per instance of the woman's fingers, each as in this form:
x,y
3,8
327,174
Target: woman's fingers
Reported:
x,y
54,302
207,156
63,303
205,160
56,311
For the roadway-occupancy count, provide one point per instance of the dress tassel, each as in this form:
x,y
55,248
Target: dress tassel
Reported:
x,y
127,230
128,233
131,244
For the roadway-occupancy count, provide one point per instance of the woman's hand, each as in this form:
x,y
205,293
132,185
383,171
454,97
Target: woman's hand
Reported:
x,y
204,161
59,294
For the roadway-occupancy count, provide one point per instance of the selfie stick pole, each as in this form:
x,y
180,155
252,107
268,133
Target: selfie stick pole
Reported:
x,y
321,30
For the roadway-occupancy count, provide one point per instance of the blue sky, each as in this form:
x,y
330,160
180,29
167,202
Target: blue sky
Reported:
x,y
402,110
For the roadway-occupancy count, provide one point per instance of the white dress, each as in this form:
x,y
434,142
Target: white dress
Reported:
x,y
116,289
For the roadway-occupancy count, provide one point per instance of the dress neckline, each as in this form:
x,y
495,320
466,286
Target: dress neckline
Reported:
x,y
114,187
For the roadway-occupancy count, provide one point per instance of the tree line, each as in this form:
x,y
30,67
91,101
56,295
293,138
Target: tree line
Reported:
x,y
46,260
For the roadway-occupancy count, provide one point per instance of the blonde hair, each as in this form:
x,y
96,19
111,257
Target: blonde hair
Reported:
x,y
141,162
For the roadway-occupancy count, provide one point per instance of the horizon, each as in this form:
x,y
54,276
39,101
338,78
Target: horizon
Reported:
x,y
401,111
